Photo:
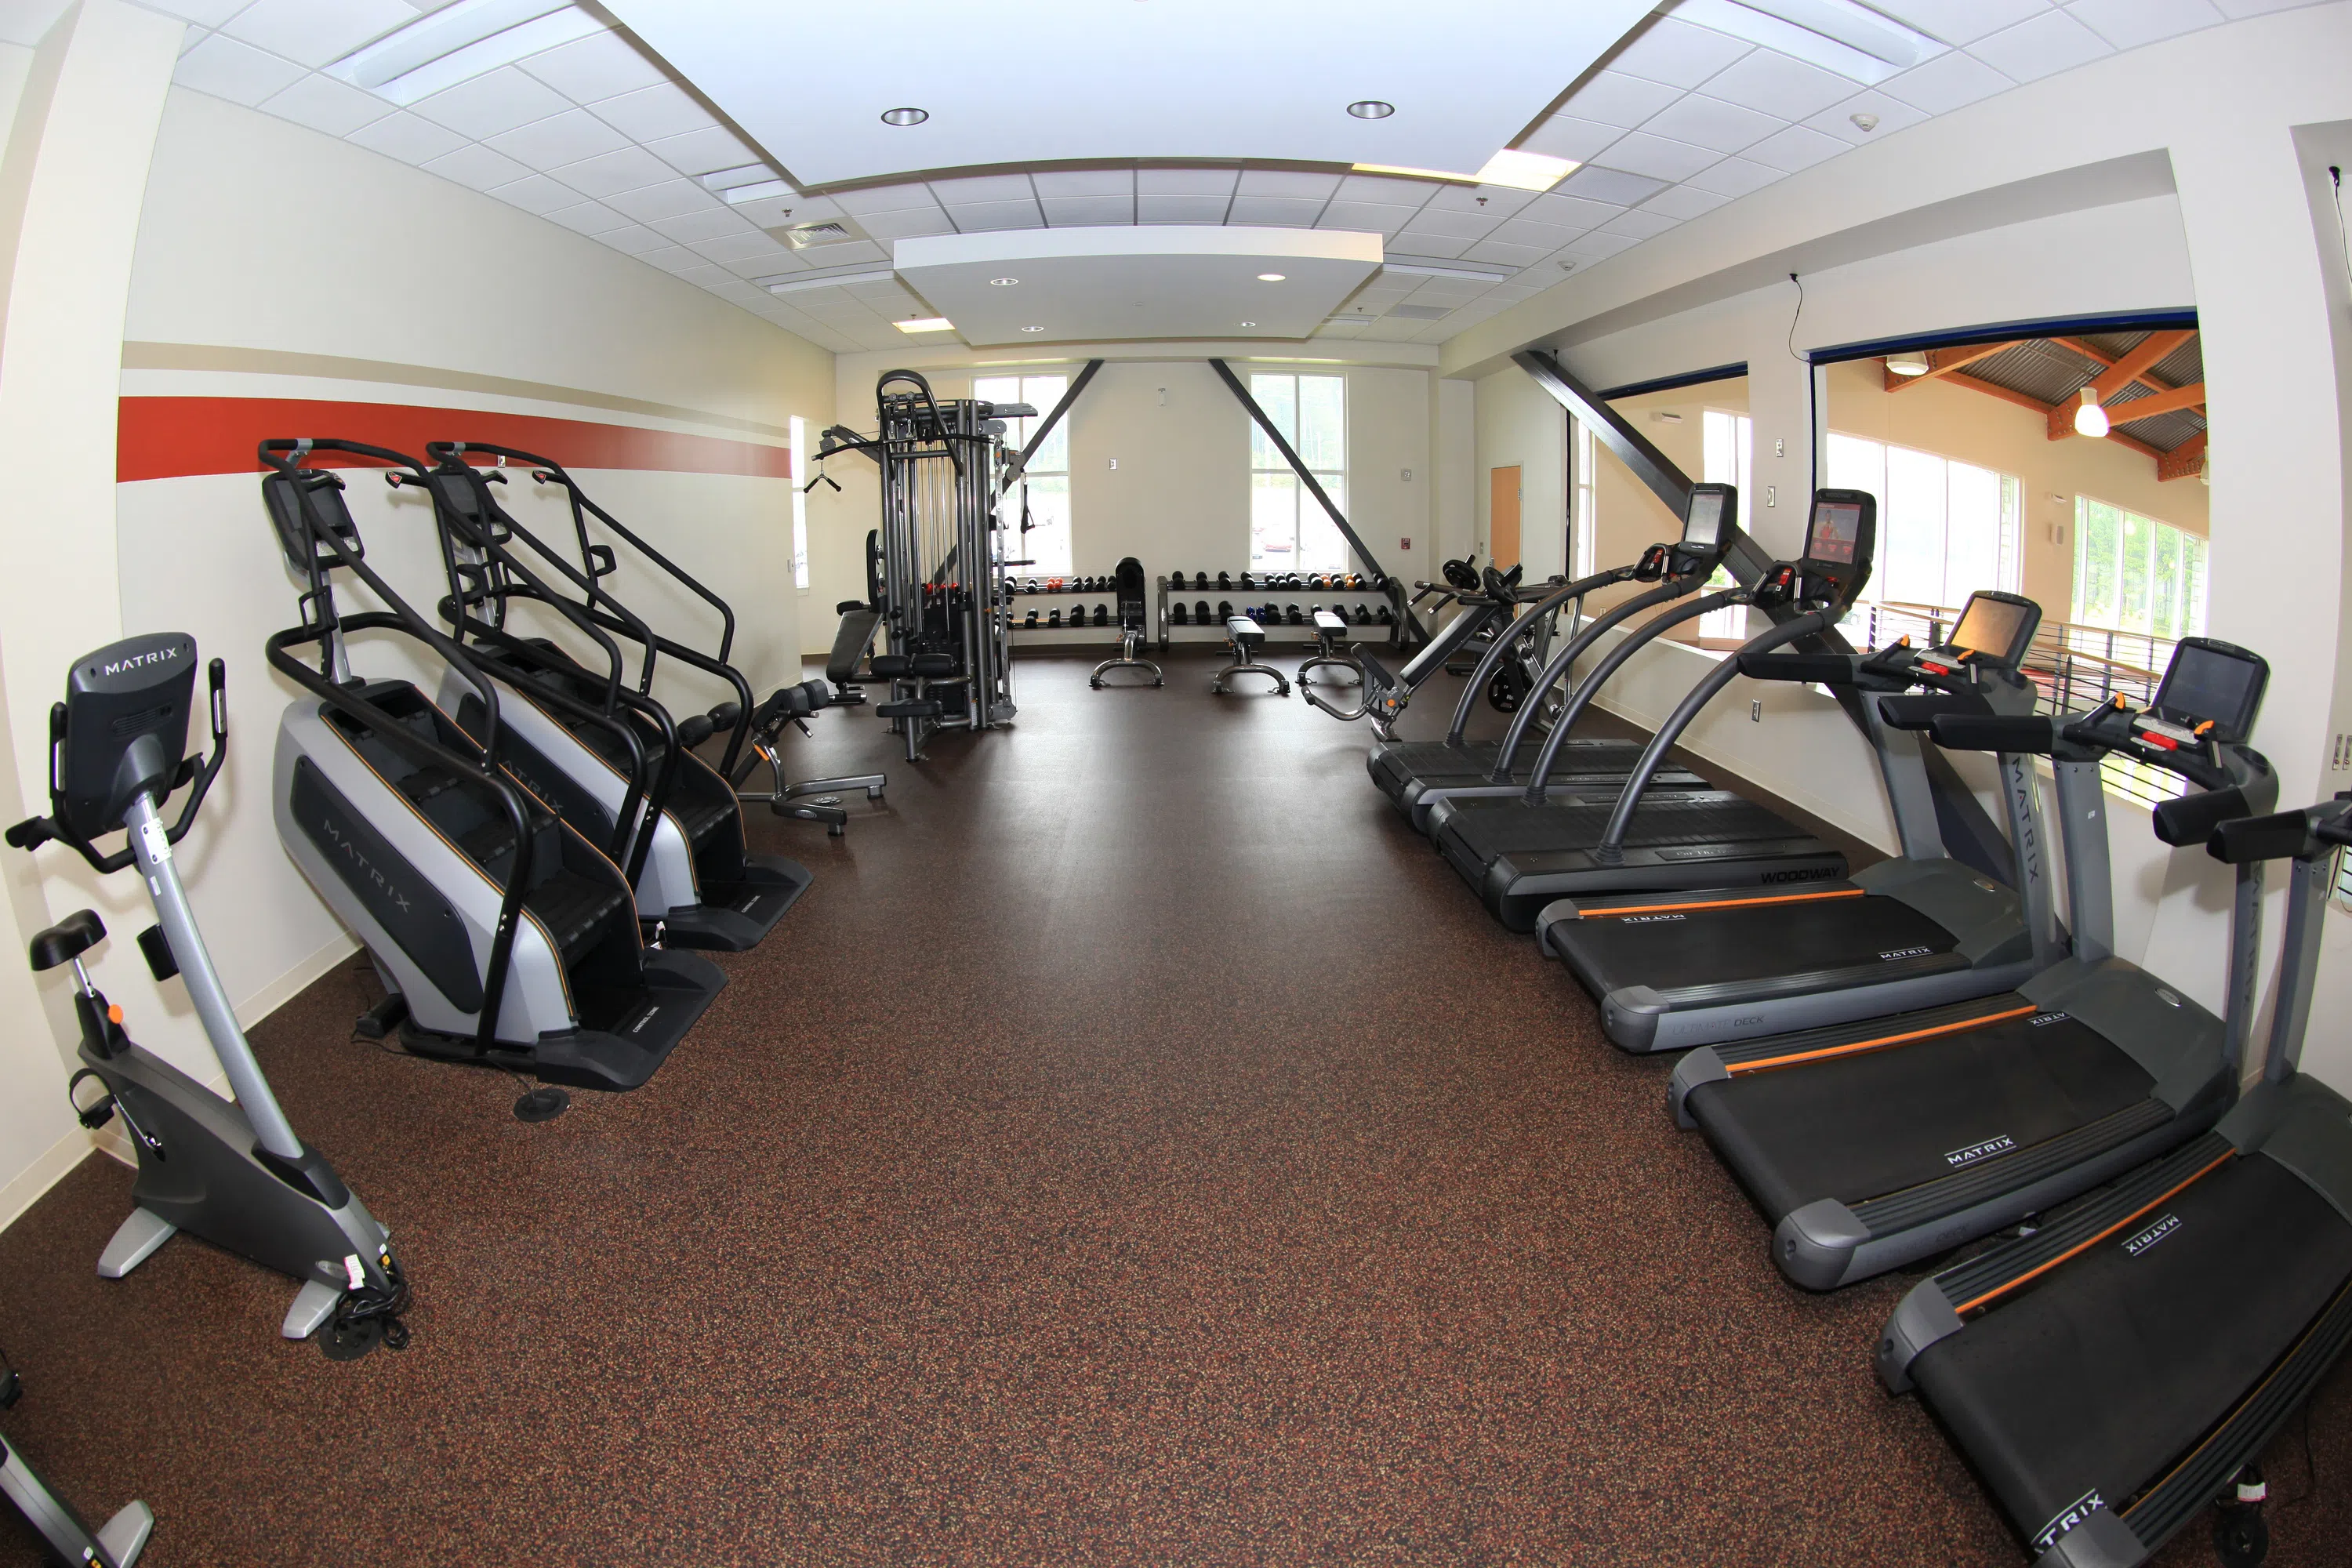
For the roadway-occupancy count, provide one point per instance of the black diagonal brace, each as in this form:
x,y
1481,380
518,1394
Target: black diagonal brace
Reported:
x,y
1020,463
1290,455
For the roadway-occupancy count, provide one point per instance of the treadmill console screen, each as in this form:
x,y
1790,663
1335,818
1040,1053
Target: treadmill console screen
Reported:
x,y
2215,680
1995,629
1703,528
1836,526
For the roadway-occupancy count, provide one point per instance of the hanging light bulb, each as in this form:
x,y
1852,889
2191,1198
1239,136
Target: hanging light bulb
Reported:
x,y
2090,419
1907,364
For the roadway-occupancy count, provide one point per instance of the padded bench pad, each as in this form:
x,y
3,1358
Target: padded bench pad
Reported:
x,y
1246,633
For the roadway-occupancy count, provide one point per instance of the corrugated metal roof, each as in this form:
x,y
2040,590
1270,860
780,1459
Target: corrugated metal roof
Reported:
x,y
2052,372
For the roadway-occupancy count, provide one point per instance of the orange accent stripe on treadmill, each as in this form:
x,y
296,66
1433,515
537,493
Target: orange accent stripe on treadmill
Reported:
x,y
1724,903
173,437
2155,1203
1767,1063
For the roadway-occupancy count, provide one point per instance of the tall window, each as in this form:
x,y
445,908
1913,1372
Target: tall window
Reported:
x,y
1587,513
1945,528
1044,496
800,503
1730,448
1289,531
2134,573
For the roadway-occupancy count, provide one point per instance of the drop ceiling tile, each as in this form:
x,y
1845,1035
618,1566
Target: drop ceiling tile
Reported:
x,y
500,100
407,138
1677,53
1838,118
238,72
1548,237
974,217
608,173
747,245
322,103
1612,185
1565,209
476,167
672,198
633,238
2237,8
984,188
1453,224
1506,254
203,13
746,265
586,218
1959,21
536,193
1644,222
1064,212
1288,212
1295,183
1178,209
1709,123
670,257
1599,245
1384,191
1085,183
598,66
1795,148
932,219
2127,24
1186,181
1680,202
1366,218
1489,201
1945,83
887,199
1419,241
2042,45
1566,136
711,224
1639,152
1735,177
1612,97
560,139
650,113
1772,83
314,32
702,152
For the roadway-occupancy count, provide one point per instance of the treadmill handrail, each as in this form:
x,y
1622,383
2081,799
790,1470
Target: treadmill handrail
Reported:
x,y
1640,637
1672,588
1550,604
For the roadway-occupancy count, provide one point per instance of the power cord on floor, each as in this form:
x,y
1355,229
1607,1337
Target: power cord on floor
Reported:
x,y
536,1103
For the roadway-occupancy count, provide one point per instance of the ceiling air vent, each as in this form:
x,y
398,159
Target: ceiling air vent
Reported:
x,y
1420,312
829,231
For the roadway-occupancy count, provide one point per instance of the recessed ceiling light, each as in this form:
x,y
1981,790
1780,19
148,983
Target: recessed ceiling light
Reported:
x,y
1270,277
925,324
905,116
1371,109
1526,171
1002,282
1033,329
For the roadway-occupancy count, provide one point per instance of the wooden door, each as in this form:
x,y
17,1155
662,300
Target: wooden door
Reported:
x,y
1503,517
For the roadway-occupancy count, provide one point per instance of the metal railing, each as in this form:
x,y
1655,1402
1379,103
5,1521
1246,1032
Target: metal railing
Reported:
x,y
2075,666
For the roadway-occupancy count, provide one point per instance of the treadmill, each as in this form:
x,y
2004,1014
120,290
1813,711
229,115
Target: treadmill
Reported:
x,y
1870,1145
1523,851
1416,775
1673,969
2110,1375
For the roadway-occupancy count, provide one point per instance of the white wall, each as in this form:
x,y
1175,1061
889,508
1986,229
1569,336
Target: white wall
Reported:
x,y
273,263
1519,423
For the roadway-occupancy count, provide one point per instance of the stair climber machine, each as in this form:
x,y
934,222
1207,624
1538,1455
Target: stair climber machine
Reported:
x,y
230,1171
1870,1145
2111,1374
504,937
1678,969
120,1542
940,603
1523,851
1485,601
593,744
1417,774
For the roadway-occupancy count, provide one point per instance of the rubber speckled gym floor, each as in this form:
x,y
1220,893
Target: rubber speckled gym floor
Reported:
x,y
1137,1148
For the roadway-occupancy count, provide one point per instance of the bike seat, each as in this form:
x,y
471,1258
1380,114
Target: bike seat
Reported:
x,y
67,940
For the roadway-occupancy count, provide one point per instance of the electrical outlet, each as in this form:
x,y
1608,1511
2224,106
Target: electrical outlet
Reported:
x,y
1771,493
1114,462
1780,448
1756,711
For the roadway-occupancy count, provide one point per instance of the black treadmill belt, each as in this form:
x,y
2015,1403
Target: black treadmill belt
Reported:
x,y
1432,759
1862,1126
1753,942
2123,1358
1492,830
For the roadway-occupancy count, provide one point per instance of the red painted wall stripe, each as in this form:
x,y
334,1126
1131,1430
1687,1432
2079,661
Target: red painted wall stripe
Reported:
x,y
170,438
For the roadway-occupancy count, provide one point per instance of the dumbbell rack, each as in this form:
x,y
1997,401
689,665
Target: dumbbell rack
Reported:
x,y
1108,629
1392,594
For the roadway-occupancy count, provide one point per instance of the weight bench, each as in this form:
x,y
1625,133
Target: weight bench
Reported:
x,y
915,710
792,705
1331,648
1130,580
1247,638
850,641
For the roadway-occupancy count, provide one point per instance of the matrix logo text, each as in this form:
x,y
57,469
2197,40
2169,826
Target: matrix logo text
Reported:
x,y
1984,1150
2152,1234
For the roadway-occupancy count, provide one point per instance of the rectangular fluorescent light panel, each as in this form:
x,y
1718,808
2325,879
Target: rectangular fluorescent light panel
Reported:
x,y
459,42
926,325
1418,270
1519,170
838,281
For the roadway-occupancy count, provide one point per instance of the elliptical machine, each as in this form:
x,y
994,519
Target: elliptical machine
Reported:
x,y
232,1171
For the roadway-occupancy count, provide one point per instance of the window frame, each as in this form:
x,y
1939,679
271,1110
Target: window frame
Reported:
x,y
1333,480
1016,435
